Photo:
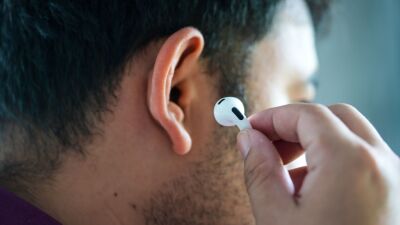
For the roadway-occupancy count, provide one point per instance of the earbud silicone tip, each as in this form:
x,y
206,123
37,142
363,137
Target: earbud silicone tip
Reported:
x,y
229,111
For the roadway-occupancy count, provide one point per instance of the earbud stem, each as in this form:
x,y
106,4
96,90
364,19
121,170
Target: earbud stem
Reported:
x,y
244,124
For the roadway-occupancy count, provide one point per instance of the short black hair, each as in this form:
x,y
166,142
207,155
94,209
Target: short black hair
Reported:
x,y
61,63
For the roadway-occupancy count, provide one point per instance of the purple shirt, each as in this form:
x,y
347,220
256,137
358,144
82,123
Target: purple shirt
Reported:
x,y
15,211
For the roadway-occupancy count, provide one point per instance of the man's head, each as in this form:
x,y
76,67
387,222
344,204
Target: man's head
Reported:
x,y
106,107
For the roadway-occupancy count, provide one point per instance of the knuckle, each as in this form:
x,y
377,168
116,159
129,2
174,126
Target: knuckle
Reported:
x,y
316,109
346,154
362,159
366,165
344,107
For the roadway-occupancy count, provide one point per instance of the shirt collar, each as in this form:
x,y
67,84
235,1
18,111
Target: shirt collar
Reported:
x,y
15,211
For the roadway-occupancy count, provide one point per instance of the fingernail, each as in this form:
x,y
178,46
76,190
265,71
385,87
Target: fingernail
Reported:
x,y
244,143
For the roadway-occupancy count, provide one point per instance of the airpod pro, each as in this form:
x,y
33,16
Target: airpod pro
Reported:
x,y
229,111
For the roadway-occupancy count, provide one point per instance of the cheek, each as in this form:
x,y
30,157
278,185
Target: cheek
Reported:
x,y
295,48
201,123
279,61
273,96
265,86
265,92
199,118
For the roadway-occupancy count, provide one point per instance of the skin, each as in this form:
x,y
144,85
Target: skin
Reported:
x,y
352,175
164,162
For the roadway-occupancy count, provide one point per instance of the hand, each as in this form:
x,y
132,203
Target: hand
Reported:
x,y
352,178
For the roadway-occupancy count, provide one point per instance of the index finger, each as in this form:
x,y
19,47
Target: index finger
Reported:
x,y
310,125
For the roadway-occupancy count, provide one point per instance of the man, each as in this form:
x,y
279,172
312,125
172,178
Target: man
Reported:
x,y
106,116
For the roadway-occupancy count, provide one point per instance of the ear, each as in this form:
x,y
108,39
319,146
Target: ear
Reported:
x,y
173,67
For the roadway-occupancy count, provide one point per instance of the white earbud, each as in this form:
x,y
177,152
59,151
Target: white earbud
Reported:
x,y
229,111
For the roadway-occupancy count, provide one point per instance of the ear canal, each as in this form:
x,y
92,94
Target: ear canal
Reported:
x,y
175,95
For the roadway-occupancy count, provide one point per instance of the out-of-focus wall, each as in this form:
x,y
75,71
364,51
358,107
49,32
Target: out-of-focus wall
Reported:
x,y
360,62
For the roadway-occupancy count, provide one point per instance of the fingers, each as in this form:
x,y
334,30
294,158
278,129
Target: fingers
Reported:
x,y
288,151
314,127
297,175
341,167
268,183
357,123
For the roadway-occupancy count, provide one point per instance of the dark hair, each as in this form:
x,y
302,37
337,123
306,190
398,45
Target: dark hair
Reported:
x,y
61,62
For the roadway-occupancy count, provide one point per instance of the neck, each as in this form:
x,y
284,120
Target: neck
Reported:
x,y
76,197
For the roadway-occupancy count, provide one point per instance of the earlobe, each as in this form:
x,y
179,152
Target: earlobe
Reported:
x,y
172,68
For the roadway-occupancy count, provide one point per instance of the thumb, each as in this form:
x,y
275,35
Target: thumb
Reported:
x,y
268,182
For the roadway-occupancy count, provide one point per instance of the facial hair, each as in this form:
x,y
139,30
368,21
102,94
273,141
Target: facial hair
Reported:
x,y
213,192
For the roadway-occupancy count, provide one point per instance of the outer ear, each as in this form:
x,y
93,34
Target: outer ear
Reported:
x,y
174,64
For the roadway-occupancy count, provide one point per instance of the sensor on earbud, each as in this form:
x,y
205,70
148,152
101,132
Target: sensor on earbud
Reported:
x,y
229,111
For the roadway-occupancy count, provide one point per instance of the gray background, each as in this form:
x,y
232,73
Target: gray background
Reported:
x,y
360,62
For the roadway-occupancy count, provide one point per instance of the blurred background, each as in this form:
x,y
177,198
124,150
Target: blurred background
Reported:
x,y
360,62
